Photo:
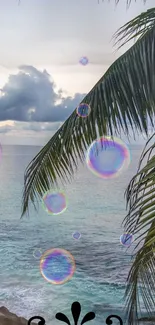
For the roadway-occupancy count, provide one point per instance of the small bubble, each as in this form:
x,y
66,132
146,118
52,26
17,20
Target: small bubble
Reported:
x,y
37,253
76,235
83,110
84,60
126,239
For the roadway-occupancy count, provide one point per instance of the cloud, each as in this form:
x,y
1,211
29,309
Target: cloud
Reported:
x,y
5,129
19,129
30,96
37,126
29,133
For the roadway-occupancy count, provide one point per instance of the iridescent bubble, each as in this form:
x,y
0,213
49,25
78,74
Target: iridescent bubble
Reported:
x,y
57,266
84,60
76,235
37,253
83,110
126,239
107,157
54,202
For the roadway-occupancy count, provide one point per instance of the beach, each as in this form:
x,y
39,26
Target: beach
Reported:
x,y
96,209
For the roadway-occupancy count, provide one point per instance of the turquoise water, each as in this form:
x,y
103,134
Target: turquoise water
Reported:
x,y
96,209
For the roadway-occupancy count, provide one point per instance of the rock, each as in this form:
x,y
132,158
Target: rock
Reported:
x,y
8,318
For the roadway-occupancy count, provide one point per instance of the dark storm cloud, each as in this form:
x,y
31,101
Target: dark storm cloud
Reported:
x,y
30,95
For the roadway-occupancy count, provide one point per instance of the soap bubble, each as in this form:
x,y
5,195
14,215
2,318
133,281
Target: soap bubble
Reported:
x,y
107,157
57,266
54,202
83,110
76,235
126,239
37,253
84,60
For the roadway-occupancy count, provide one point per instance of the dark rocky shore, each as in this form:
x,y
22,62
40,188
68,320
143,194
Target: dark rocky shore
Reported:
x,y
8,318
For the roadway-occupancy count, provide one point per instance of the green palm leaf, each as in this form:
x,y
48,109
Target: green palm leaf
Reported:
x,y
122,99
135,28
128,2
141,282
140,221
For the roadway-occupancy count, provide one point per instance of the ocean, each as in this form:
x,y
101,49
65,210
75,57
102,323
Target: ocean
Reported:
x,y
96,209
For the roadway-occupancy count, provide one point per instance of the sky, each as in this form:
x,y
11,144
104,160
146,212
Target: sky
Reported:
x,y
41,42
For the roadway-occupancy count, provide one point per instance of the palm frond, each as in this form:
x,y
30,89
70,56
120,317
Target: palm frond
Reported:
x,y
128,2
135,28
141,192
141,282
140,221
122,100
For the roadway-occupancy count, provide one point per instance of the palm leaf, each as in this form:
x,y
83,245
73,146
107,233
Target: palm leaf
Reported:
x,y
140,221
128,2
123,99
141,282
135,28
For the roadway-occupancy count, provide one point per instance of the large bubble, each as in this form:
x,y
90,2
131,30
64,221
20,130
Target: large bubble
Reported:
x,y
54,202
57,266
107,157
